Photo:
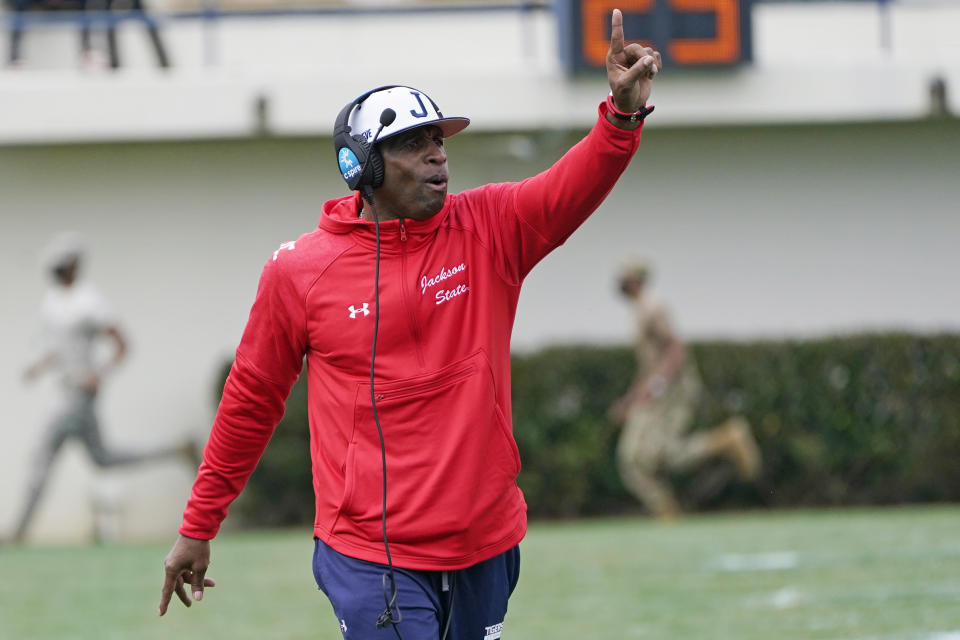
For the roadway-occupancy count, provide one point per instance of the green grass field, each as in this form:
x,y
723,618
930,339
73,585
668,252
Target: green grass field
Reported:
x,y
878,574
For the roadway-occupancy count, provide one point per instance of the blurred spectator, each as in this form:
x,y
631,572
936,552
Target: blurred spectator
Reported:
x,y
18,8
137,8
74,319
87,12
658,409
939,103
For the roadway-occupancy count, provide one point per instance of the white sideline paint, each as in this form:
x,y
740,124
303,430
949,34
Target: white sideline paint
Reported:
x,y
768,561
780,599
786,598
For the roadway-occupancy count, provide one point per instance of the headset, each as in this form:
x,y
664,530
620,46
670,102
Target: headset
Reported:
x,y
367,158
366,173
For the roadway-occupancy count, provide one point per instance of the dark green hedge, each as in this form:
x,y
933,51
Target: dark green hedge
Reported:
x,y
865,419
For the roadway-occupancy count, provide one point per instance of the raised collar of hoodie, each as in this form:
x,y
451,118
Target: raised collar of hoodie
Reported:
x,y
342,216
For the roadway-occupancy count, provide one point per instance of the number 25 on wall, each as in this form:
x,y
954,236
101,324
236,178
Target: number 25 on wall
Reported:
x,y
723,48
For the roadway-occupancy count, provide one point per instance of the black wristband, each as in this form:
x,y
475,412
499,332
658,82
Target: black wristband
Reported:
x,y
637,116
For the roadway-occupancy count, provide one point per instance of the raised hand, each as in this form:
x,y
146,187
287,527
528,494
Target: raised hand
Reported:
x,y
630,69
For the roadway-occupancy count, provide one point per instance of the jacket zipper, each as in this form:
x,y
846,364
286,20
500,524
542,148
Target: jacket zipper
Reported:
x,y
407,300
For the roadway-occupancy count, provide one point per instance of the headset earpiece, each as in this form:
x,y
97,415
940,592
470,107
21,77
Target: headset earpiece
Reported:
x,y
375,172
361,164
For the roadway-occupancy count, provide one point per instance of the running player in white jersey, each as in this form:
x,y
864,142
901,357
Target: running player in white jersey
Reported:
x,y
75,318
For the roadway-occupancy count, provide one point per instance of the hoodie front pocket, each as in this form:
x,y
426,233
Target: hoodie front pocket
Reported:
x,y
449,453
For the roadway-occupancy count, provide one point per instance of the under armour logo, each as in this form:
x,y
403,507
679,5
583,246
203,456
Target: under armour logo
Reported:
x,y
343,626
354,311
286,245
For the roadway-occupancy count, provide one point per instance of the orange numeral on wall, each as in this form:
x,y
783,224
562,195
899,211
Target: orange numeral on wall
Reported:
x,y
724,48
721,49
595,16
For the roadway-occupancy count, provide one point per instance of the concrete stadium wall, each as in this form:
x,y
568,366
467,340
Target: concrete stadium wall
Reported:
x,y
754,231
240,76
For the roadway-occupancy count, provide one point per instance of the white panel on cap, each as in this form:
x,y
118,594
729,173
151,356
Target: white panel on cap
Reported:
x,y
413,108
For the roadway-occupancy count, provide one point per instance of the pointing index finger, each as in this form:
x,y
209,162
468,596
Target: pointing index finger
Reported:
x,y
616,32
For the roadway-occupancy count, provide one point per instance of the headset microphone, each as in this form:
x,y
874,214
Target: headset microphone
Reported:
x,y
391,613
387,117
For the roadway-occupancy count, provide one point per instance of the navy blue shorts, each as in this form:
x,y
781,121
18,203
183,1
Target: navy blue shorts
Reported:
x,y
474,600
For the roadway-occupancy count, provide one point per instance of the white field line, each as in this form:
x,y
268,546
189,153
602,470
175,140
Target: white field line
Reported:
x,y
783,598
768,561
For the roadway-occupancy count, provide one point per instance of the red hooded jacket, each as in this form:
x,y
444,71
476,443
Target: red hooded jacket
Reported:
x,y
448,295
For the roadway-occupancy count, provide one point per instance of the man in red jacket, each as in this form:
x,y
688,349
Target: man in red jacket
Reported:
x,y
402,301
